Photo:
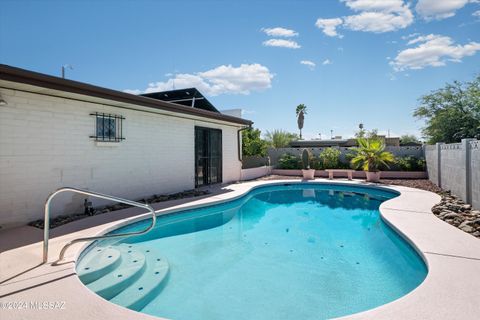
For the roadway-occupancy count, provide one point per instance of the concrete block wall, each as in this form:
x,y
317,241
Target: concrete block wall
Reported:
x,y
475,170
453,169
431,157
45,145
275,154
456,167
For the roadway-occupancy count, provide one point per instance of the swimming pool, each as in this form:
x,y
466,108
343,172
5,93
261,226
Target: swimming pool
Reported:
x,y
296,251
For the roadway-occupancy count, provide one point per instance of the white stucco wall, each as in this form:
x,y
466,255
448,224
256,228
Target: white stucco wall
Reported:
x,y
45,145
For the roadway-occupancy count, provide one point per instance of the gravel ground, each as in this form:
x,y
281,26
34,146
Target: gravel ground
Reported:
x,y
451,209
64,219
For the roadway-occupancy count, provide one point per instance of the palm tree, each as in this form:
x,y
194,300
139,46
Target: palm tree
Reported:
x,y
279,138
301,112
371,155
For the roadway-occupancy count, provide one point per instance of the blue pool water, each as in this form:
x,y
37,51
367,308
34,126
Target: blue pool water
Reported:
x,y
299,251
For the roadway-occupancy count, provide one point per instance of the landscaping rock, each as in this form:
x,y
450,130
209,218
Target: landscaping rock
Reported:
x,y
451,209
449,216
61,220
454,211
467,229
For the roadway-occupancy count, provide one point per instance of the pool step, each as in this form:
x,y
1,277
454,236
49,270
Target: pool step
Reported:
x,y
130,269
125,274
147,287
95,266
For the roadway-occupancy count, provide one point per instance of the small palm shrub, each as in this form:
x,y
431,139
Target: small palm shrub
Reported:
x,y
370,155
289,161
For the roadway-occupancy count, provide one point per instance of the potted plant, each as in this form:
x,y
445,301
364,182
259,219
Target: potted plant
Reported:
x,y
370,156
308,173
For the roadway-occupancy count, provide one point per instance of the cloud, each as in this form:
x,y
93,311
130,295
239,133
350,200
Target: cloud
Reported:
x,y
436,9
309,64
432,50
224,79
411,35
476,14
376,16
280,32
329,26
282,43
326,62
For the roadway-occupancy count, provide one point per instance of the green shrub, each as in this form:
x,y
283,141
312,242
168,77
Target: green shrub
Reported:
x,y
289,161
410,163
330,158
316,163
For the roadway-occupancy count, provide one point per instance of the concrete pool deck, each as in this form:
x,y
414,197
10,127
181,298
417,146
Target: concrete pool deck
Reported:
x,y
450,290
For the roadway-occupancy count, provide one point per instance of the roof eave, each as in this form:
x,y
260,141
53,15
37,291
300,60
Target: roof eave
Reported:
x,y
19,75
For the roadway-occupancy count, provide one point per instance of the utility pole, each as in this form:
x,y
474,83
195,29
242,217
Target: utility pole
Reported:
x,y
65,66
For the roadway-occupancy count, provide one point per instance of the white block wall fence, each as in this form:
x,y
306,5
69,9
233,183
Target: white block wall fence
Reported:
x,y
45,145
456,167
254,173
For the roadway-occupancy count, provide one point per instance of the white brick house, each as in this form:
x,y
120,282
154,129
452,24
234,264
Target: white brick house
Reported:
x,y
50,138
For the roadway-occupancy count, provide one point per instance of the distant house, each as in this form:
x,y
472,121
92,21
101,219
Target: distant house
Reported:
x,y
57,132
339,142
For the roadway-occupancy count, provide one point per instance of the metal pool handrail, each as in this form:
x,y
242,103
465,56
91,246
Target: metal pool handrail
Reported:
x,y
97,195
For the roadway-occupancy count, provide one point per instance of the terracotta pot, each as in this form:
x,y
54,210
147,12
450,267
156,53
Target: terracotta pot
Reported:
x,y
373,176
308,174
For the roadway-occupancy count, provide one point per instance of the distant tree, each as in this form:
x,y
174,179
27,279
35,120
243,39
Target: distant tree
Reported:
x,y
360,133
452,113
363,133
279,138
372,134
301,111
252,144
409,138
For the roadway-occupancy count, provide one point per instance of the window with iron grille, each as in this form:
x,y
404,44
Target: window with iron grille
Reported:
x,y
108,127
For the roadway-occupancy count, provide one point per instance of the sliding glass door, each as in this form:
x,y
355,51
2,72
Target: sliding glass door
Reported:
x,y
208,156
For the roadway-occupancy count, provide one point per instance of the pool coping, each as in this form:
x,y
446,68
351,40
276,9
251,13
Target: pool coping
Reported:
x,y
448,291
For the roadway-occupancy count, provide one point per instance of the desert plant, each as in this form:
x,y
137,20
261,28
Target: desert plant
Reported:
x,y
306,157
289,161
330,158
279,138
370,155
411,163
316,163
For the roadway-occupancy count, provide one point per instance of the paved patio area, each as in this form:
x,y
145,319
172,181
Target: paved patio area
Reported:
x,y
450,290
